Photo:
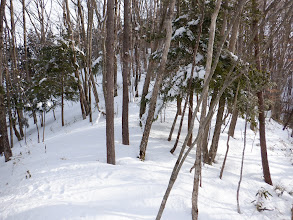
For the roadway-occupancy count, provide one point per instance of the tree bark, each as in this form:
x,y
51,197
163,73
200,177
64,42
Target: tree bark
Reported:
x,y
110,140
3,125
261,115
83,102
125,74
217,131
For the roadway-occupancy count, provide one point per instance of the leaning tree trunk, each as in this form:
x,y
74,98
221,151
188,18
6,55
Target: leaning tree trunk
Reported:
x,y
152,107
83,102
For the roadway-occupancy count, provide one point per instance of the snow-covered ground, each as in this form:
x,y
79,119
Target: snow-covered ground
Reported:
x,y
67,176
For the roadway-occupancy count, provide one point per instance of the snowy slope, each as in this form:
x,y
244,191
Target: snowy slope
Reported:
x,y
67,177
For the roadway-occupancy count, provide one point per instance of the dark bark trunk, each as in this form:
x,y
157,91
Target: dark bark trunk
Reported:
x,y
149,75
190,114
217,131
110,84
179,101
3,126
180,127
125,73
261,115
262,137
62,103
235,111
173,125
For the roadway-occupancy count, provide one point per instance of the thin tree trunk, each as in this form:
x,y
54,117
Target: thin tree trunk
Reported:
x,y
173,125
8,86
62,103
225,158
234,114
196,182
217,131
180,127
125,73
241,169
179,101
44,125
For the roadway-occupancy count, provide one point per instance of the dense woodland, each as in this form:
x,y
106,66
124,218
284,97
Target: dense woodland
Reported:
x,y
225,58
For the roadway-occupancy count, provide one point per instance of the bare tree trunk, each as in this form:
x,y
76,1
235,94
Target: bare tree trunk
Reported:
x,y
14,69
62,102
150,73
180,127
173,125
150,117
44,119
231,128
196,181
3,125
261,116
179,102
110,84
190,110
241,169
116,9
8,86
234,114
125,73
83,102
217,131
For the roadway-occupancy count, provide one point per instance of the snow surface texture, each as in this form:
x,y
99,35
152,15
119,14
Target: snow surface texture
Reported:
x,y
67,177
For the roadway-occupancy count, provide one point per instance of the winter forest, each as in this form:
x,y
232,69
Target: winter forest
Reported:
x,y
146,109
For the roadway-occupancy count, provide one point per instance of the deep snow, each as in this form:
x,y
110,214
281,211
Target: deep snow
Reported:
x,y
67,177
